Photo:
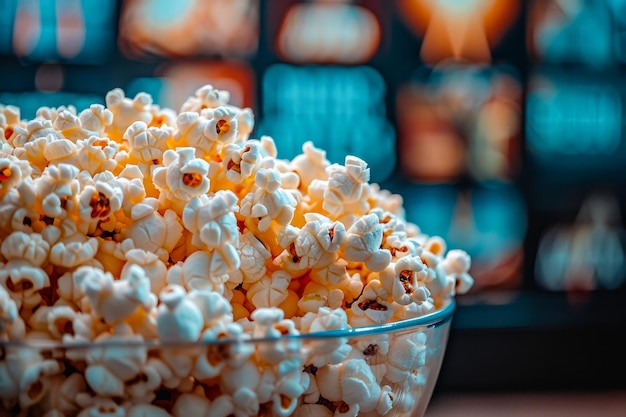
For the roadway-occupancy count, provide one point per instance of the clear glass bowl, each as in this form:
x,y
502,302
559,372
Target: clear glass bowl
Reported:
x,y
388,370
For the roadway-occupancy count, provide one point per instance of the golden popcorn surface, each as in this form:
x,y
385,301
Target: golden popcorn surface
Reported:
x,y
131,223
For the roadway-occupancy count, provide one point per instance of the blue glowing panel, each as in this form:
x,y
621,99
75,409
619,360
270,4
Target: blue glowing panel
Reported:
x,y
323,91
77,31
572,31
618,7
7,8
489,223
575,125
30,102
339,109
586,254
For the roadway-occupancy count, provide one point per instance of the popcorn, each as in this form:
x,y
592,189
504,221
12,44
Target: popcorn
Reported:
x,y
207,131
190,259
125,111
345,192
269,201
178,319
363,241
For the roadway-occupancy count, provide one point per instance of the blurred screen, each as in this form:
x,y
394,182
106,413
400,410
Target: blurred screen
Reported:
x,y
77,31
322,31
456,120
575,126
187,28
341,110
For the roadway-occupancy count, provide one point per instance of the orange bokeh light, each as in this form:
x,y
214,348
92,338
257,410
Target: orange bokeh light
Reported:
x,y
458,30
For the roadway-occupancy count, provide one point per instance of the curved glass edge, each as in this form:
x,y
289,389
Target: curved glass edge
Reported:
x,y
434,319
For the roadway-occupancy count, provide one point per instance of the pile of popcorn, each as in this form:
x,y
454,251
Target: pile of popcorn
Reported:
x,y
127,224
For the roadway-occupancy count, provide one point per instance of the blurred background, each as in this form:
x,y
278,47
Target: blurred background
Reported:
x,y
500,122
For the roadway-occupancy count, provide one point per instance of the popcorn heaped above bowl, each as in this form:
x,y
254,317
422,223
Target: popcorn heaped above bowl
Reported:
x,y
157,263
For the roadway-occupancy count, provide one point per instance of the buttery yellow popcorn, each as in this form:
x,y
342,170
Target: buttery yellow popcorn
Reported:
x,y
131,223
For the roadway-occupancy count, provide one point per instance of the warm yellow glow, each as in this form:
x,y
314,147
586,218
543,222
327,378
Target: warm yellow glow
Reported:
x,y
458,29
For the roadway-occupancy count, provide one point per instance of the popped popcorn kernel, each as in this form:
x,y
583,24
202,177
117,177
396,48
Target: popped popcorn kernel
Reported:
x,y
176,266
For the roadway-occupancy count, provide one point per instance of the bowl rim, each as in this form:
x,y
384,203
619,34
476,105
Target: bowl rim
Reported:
x,y
435,318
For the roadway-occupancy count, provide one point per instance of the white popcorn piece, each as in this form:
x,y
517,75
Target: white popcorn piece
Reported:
x,y
200,271
12,325
51,113
213,224
311,164
269,201
155,269
69,125
254,257
216,356
96,119
313,246
97,204
152,231
12,171
241,160
182,177
207,131
179,319
407,353
269,291
73,248
372,306
31,248
146,145
96,154
270,323
456,265
126,111
34,129
61,396
205,97
22,280
363,243
191,405
351,384
57,187
115,300
402,281
60,320
346,190
103,407
327,351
